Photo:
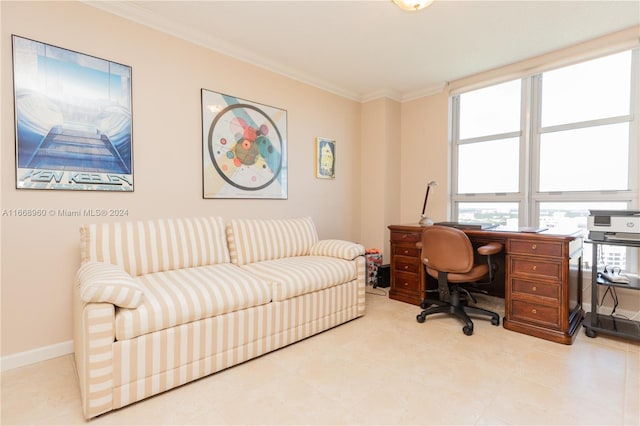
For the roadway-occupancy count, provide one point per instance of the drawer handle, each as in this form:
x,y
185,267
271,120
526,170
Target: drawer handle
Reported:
x,y
534,288
404,235
533,311
534,267
406,251
406,267
406,284
534,246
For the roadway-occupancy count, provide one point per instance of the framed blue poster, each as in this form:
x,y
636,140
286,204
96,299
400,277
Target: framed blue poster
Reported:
x,y
73,119
244,148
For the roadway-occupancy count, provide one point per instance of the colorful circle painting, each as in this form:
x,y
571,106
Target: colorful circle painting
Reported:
x,y
245,147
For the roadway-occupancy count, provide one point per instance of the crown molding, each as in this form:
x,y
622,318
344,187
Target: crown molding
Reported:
x,y
387,94
429,91
143,16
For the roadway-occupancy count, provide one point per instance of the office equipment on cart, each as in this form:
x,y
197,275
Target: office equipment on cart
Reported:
x,y
595,322
614,274
614,225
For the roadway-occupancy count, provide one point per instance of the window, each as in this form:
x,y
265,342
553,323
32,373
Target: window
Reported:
x,y
498,170
604,147
543,150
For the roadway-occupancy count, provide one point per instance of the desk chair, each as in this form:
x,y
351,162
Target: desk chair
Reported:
x,y
447,255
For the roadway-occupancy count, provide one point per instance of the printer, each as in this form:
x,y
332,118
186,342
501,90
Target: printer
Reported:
x,y
614,225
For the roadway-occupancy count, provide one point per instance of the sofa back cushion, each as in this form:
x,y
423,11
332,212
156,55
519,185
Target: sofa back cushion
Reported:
x,y
144,247
256,240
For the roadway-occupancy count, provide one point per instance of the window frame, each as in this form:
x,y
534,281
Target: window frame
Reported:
x,y
529,197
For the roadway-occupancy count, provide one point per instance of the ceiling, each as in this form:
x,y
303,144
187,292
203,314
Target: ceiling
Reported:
x,y
363,49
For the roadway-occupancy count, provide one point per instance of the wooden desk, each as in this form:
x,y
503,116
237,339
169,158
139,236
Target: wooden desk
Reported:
x,y
542,278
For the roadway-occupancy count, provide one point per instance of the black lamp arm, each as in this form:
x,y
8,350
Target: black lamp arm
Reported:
x,y
424,206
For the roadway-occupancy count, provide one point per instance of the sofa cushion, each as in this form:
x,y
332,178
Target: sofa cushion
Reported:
x,y
293,276
145,247
104,282
257,240
189,294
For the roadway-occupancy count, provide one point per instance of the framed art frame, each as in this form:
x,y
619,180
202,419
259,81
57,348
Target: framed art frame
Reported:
x,y
73,119
244,148
325,158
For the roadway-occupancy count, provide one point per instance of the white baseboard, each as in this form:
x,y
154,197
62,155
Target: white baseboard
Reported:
x,y
44,353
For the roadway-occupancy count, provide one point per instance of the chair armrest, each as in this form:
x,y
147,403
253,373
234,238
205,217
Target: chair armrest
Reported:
x,y
491,248
337,248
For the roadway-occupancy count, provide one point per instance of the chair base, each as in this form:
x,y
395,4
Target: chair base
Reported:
x,y
460,311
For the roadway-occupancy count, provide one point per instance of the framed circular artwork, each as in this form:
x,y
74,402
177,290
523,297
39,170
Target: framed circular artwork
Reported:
x,y
244,148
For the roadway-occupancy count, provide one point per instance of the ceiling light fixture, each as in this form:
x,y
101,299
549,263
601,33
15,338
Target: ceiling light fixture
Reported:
x,y
412,5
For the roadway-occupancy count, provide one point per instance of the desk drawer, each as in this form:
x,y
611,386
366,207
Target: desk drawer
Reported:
x,y
406,281
405,237
407,265
404,250
538,268
538,248
537,289
548,316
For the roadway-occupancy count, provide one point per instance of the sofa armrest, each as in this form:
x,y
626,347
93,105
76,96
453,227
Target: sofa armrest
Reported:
x,y
93,337
104,282
337,248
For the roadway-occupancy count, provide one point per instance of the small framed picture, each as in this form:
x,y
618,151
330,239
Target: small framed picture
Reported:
x,y
325,158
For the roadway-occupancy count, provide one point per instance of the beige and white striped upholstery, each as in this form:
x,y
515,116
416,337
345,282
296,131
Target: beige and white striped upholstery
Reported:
x,y
361,265
93,338
337,248
184,295
144,247
256,240
104,282
293,276
158,361
200,313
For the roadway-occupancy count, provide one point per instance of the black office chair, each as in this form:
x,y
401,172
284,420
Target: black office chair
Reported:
x,y
447,255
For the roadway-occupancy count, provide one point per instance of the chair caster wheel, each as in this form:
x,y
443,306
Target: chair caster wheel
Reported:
x,y
467,330
589,332
423,305
495,321
420,318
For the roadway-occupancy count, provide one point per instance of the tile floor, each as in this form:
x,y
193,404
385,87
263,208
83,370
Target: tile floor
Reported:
x,y
384,368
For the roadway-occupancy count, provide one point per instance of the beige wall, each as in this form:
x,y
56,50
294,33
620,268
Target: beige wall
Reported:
x,y
381,147
424,157
40,255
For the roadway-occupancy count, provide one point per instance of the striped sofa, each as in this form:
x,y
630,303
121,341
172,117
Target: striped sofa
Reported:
x,y
160,303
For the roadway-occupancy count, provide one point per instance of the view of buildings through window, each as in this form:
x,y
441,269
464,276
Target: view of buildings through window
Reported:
x,y
546,149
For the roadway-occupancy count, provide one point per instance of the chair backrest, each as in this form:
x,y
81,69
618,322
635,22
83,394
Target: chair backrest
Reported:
x,y
447,249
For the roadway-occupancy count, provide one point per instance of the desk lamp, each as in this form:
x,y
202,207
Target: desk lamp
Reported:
x,y
424,220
